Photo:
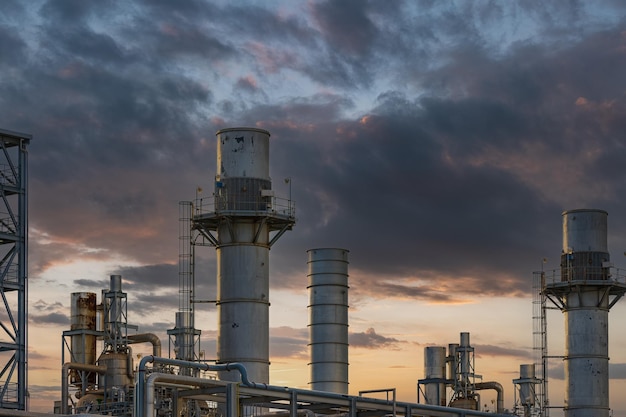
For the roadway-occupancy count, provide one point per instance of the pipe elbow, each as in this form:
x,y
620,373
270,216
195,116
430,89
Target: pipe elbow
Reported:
x,y
149,338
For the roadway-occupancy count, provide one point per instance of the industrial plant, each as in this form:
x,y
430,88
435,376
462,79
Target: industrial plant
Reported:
x,y
241,220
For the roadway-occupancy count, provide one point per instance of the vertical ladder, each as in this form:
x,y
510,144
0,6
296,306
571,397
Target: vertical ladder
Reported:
x,y
540,341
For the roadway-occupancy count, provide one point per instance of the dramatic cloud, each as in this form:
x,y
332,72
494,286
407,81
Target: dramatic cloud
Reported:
x,y
287,342
493,350
371,340
438,141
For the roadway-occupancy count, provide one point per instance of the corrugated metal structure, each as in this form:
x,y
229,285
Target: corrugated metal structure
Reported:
x,y
328,319
14,269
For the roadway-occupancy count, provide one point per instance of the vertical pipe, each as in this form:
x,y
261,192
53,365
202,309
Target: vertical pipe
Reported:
x,y
83,326
328,312
184,337
466,370
435,370
452,362
527,385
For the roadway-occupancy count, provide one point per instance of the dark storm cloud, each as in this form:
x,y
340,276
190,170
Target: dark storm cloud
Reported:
x,y
12,47
43,313
150,276
440,200
71,11
94,285
287,342
493,350
346,25
100,127
459,170
388,180
369,339
52,318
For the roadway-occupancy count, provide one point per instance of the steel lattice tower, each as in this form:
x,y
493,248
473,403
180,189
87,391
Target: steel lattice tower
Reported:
x,y
14,269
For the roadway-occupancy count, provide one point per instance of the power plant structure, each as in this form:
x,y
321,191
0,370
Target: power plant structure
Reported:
x,y
14,269
455,371
328,324
584,289
526,399
238,223
242,220
104,383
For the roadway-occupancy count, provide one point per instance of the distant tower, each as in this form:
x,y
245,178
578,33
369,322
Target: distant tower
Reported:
x,y
434,382
584,292
244,212
14,269
328,323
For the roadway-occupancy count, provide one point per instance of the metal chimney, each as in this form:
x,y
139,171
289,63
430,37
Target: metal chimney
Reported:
x,y
526,393
328,312
83,333
244,214
434,381
585,293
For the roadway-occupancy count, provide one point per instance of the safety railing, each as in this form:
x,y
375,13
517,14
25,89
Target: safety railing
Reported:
x,y
584,275
267,205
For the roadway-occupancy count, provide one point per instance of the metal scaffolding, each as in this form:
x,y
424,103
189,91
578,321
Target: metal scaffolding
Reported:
x,y
13,269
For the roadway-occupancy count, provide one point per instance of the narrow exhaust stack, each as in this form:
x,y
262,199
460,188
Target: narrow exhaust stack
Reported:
x,y
585,293
328,328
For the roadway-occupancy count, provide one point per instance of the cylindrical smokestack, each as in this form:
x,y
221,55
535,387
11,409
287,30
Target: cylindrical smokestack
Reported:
x,y
184,336
585,255
328,312
452,360
585,295
435,371
465,358
526,384
243,251
586,315
83,343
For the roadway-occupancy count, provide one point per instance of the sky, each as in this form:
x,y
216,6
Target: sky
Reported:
x,y
437,141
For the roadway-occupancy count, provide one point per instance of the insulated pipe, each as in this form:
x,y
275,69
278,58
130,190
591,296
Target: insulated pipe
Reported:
x,y
154,379
139,412
141,373
499,390
148,338
64,383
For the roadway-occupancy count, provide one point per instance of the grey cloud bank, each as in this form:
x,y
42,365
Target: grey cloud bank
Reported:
x,y
438,143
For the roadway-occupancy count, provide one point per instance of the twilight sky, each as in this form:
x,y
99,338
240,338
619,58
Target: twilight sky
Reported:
x,y
438,141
